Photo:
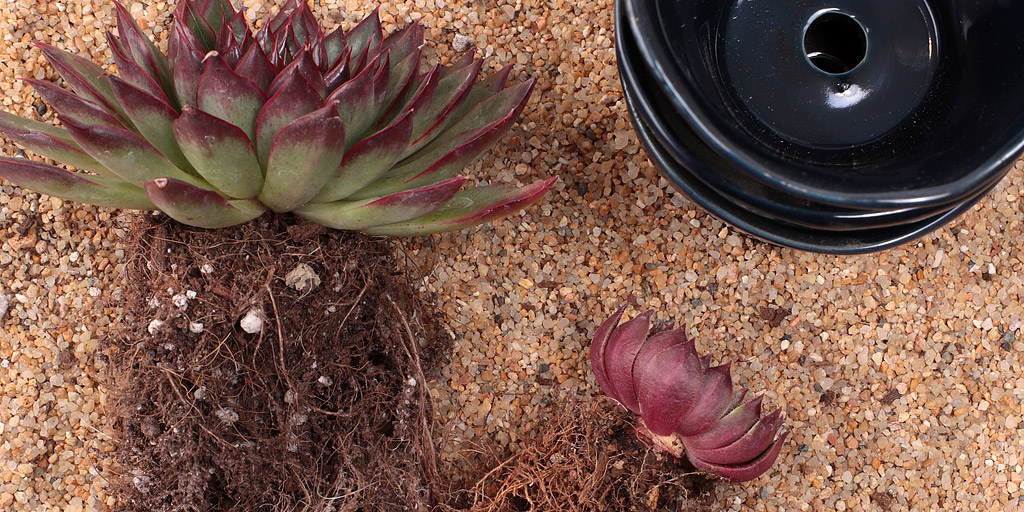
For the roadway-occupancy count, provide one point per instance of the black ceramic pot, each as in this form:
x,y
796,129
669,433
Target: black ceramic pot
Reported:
x,y
839,126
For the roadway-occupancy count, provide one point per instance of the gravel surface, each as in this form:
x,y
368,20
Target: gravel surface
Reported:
x,y
899,372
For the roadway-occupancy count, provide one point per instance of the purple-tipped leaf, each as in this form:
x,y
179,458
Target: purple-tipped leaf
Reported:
x,y
403,43
481,91
190,17
86,78
451,90
153,118
450,153
729,428
200,207
338,73
470,208
467,58
714,398
186,59
71,106
334,46
56,182
354,102
668,387
301,65
294,99
304,156
743,472
224,94
402,85
367,161
130,72
366,36
400,207
228,46
127,155
749,446
220,152
623,346
737,400
49,141
142,49
598,347
255,67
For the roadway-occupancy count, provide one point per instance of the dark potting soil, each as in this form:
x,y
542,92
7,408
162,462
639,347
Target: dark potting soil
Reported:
x,y
324,408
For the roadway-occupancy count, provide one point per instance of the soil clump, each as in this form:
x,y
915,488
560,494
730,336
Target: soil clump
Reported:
x,y
322,407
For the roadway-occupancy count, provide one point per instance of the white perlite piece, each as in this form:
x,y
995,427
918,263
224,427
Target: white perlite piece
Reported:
x,y
154,326
252,322
461,43
195,327
227,415
302,278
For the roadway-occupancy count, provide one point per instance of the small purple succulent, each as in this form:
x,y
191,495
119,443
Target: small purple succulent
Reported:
x,y
684,404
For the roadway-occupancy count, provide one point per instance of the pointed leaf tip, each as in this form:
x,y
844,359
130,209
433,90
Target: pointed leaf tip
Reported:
x,y
56,182
398,207
470,208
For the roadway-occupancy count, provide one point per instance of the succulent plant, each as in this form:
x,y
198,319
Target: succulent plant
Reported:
x,y
684,404
341,128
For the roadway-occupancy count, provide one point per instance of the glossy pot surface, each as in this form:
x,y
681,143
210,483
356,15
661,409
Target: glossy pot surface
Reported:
x,y
866,104
701,170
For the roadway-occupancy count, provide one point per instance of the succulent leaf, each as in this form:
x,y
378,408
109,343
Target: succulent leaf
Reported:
x,y
223,93
72,107
599,346
469,208
729,428
220,152
293,100
368,160
743,472
153,118
200,207
755,440
129,71
715,397
684,404
623,346
186,59
49,141
303,158
256,67
353,100
450,91
366,35
668,387
127,155
143,51
398,207
56,182
87,79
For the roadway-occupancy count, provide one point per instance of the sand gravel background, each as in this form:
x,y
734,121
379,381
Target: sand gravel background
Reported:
x,y
899,372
